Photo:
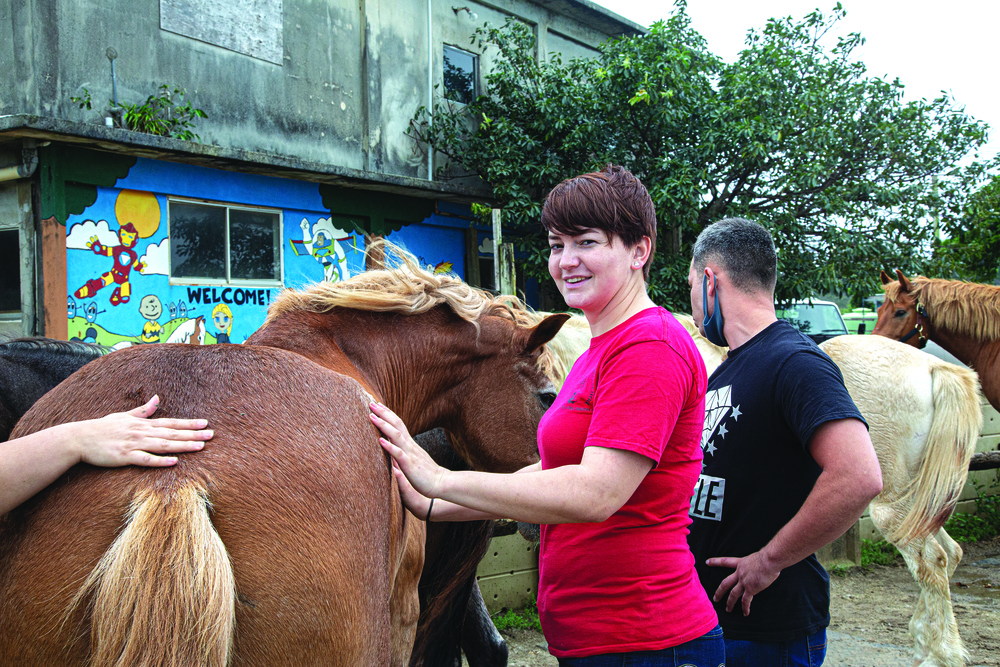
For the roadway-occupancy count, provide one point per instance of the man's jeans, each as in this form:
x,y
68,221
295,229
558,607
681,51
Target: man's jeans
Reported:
x,y
805,652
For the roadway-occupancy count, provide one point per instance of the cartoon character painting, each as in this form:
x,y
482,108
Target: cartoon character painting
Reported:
x,y
125,259
151,309
323,244
222,316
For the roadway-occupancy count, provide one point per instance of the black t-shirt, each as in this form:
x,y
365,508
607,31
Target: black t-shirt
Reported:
x,y
763,405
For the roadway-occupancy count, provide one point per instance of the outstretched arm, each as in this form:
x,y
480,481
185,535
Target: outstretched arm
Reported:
x,y
590,491
30,463
851,477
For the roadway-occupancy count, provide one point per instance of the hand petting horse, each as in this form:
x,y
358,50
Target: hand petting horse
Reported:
x,y
284,541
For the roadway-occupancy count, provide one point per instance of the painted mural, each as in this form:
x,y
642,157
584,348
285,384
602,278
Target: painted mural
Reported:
x,y
118,264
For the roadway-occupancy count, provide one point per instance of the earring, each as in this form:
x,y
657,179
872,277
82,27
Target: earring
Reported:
x,y
636,265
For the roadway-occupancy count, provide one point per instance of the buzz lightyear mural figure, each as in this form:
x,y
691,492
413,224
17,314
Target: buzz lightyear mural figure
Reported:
x,y
322,242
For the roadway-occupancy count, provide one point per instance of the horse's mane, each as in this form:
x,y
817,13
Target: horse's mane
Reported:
x,y
967,309
50,345
401,288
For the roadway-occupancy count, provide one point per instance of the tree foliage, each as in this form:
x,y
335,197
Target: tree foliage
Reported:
x,y
793,134
972,249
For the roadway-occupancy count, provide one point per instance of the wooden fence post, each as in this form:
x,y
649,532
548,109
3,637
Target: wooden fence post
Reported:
x,y
503,259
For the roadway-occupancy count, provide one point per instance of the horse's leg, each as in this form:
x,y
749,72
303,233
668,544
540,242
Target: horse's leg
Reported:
x,y
483,645
933,626
404,605
952,549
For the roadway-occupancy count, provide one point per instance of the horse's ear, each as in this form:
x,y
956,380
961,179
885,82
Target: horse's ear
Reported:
x,y
904,284
886,278
545,331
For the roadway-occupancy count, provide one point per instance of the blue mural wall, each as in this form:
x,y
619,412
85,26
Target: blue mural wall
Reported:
x,y
118,257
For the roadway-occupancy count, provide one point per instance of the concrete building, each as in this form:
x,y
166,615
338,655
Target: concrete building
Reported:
x,y
123,237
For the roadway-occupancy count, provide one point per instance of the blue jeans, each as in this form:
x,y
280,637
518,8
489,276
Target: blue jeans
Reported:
x,y
805,652
706,651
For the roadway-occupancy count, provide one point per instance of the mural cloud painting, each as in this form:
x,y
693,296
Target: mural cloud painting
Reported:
x,y
156,258
81,232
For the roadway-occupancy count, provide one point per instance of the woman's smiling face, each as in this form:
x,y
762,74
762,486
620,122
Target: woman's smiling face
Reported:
x,y
589,269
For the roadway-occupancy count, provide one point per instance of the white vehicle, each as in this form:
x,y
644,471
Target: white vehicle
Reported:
x,y
820,320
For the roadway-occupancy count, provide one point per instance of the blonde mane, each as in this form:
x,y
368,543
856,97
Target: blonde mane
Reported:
x,y
967,309
402,288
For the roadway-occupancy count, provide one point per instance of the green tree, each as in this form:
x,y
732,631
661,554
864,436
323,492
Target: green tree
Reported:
x,y
972,250
793,134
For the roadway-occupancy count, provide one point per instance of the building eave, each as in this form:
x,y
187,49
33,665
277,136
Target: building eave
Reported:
x,y
117,140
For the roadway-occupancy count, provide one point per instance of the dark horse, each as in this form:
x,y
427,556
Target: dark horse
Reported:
x,y
284,541
29,367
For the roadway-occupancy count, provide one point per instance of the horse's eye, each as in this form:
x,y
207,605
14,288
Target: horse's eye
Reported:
x,y
900,313
546,398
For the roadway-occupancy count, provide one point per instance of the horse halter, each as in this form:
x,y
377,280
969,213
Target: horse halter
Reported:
x,y
918,329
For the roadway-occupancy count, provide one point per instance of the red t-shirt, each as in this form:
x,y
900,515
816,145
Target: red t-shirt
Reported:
x,y
628,583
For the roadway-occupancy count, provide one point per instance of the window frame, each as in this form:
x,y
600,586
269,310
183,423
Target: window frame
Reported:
x,y
477,68
228,280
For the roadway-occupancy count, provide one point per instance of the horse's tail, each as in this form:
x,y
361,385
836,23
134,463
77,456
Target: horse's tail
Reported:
x,y
164,593
944,461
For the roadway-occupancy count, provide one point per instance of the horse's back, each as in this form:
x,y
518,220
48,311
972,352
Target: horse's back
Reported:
x,y
924,417
299,492
888,381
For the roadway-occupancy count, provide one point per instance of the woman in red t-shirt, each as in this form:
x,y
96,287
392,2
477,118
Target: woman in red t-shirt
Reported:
x,y
620,451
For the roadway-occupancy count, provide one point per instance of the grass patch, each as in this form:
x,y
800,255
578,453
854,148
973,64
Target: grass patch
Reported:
x,y
525,619
985,523
877,553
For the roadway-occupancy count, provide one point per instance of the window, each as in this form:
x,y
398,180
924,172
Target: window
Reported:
x,y
461,75
10,274
214,243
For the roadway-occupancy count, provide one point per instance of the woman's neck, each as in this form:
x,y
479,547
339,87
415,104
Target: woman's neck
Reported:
x,y
620,310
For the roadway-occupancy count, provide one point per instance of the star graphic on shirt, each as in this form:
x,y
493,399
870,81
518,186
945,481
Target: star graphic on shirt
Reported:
x,y
710,449
722,431
736,412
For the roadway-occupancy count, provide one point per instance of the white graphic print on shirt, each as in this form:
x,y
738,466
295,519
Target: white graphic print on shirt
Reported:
x,y
709,492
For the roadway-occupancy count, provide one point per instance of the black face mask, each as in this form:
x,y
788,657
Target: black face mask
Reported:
x,y
714,324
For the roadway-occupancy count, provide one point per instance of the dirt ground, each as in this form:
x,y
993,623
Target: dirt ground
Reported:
x,y
870,611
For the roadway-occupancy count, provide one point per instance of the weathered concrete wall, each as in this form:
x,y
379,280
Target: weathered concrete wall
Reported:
x,y
350,77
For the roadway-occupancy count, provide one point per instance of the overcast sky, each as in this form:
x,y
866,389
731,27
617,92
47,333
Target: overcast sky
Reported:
x,y
931,46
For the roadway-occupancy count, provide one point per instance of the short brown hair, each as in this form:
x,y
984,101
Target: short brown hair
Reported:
x,y
612,200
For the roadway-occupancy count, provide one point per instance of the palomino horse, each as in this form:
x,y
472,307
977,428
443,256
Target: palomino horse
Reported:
x,y
29,367
963,318
924,418
284,541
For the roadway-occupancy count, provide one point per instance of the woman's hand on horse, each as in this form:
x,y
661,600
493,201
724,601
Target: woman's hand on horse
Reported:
x,y
413,500
421,471
132,438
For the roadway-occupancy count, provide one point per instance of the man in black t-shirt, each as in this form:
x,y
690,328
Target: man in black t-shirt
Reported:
x,y
788,462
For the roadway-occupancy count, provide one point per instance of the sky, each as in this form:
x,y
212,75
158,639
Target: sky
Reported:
x,y
929,45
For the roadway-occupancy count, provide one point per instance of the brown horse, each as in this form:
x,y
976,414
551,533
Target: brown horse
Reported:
x,y
284,541
963,318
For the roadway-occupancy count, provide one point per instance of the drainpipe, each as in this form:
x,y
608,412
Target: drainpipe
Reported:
x,y
29,156
430,89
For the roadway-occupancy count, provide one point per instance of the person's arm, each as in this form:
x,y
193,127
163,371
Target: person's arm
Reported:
x,y
851,478
30,463
590,491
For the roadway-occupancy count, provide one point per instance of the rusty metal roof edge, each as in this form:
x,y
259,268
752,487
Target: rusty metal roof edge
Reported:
x,y
44,128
